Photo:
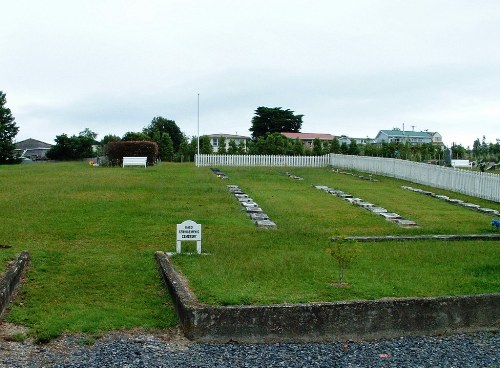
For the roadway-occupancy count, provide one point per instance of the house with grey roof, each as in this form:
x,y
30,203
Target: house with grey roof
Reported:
x,y
403,136
32,148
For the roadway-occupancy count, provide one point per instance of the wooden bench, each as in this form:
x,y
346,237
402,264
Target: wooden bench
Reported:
x,y
461,163
135,161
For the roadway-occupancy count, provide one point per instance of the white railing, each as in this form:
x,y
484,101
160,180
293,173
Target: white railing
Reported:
x,y
477,184
473,183
262,160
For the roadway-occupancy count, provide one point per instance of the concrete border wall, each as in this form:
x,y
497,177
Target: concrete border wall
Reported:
x,y
334,321
11,278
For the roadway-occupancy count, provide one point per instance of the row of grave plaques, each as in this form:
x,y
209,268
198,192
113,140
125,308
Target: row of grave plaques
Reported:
x,y
256,214
389,216
295,177
459,202
219,173
369,177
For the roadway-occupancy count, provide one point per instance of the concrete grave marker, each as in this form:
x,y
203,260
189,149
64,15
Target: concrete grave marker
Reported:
x,y
189,231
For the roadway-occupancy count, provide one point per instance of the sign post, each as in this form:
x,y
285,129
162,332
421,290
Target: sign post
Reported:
x,y
189,231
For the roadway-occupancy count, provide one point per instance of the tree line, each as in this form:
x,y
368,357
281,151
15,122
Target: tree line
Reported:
x,y
266,127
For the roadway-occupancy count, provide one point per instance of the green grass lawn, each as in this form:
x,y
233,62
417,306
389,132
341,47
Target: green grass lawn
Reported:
x,y
92,233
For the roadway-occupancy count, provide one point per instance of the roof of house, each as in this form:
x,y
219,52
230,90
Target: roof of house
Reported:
x,y
227,136
308,136
405,133
31,143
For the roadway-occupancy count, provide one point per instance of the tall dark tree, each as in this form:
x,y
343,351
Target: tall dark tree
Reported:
x,y
222,146
317,149
274,120
8,130
135,136
74,147
110,138
160,126
335,146
353,148
233,148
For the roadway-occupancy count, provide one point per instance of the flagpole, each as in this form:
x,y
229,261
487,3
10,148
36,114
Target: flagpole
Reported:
x,y
198,124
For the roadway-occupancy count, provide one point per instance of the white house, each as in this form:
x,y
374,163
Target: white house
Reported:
x,y
403,136
347,140
215,140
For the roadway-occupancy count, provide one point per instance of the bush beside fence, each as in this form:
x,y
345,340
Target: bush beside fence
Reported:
x,y
477,184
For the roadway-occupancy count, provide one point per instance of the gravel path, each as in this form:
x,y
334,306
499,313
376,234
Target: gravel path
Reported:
x,y
170,349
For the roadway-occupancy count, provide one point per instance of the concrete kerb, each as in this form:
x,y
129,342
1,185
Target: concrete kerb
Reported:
x,y
420,237
331,321
11,278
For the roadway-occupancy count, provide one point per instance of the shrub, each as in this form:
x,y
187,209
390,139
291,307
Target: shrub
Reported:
x,y
344,252
117,150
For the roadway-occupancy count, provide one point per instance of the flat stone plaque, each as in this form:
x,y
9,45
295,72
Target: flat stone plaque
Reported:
x,y
470,205
253,209
377,209
365,204
245,199
405,223
249,204
457,201
442,197
259,216
489,211
390,215
268,224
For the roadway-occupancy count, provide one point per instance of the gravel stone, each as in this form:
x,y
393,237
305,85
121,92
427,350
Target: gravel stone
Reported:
x,y
169,349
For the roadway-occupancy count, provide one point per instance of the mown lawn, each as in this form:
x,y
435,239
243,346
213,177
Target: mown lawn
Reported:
x,y
92,233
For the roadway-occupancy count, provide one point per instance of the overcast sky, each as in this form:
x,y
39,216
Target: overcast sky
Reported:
x,y
350,67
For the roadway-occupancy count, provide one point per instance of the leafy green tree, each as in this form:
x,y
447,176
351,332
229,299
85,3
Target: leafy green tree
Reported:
x,y
335,145
166,148
222,146
74,147
110,138
135,136
241,148
297,148
353,148
344,148
205,145
274,120
317,149
233,148
184,151
160,126
277,144
8,131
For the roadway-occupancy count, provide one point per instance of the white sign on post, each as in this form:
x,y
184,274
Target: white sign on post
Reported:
x,y
189,231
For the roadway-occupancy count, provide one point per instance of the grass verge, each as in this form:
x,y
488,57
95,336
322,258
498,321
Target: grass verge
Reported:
x,y
92,233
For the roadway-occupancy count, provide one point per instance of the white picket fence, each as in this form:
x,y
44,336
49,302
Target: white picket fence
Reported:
x,y
262,160
473,183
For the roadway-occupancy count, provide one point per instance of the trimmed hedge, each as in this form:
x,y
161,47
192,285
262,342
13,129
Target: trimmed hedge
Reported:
x,y
117,150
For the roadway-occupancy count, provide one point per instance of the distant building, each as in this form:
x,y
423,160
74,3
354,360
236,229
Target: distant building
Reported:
x,y
403,136
437,139
215,140
308,138
347,140
32,148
